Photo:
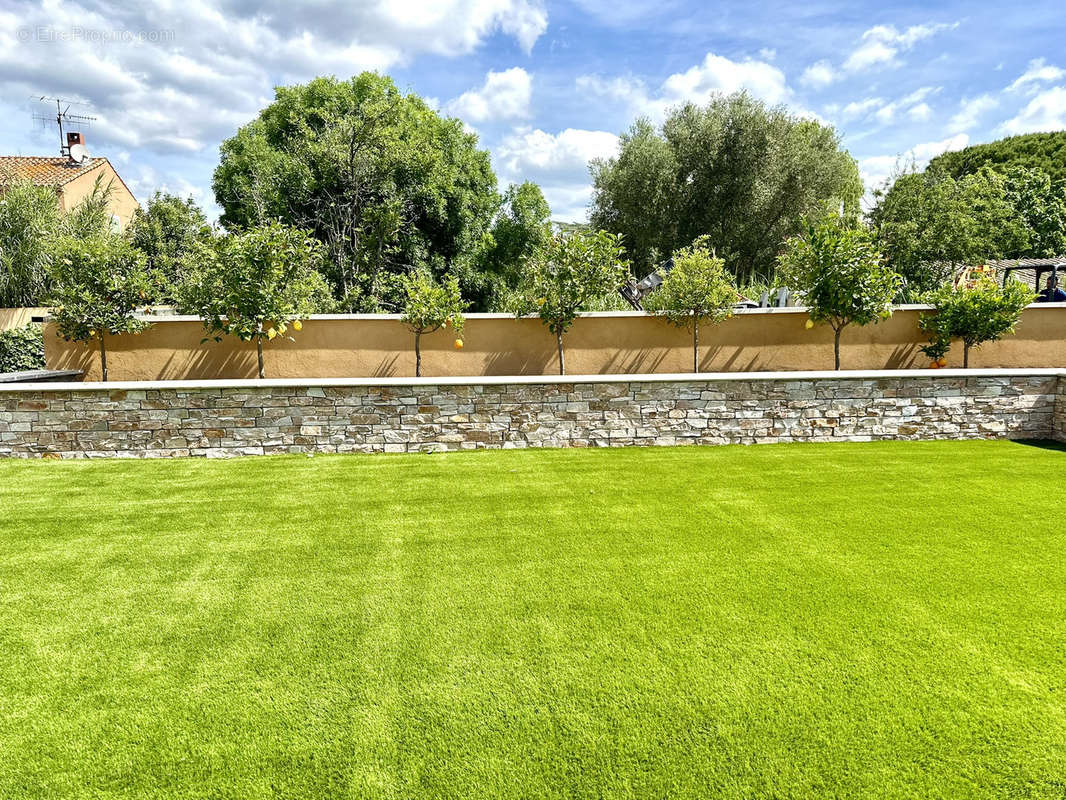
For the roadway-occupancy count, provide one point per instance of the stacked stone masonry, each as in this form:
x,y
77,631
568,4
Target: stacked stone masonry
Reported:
x,y
1059,431
225,421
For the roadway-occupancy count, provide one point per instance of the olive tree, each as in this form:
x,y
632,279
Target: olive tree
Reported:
x,y
98,284
697,290
429,306
568,274
842,276
978,313
254,285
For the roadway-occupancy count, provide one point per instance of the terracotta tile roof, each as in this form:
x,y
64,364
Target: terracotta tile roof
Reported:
x,y
44,170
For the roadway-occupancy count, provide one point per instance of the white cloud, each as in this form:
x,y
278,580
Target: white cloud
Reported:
x,y
534,150
1045,112
558,162
882,44
504,95
1039,71
172,79
910,104
698,84
875,170
971,110
860,108
719,74
818,75
920,112
767,54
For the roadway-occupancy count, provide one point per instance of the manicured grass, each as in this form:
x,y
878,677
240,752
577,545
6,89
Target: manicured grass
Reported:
x,y
880,620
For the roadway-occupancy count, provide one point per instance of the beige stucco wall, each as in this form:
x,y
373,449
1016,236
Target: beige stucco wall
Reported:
x,y
17,317
122,202
380,346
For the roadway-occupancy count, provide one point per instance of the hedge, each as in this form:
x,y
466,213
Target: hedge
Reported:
x,y
22,349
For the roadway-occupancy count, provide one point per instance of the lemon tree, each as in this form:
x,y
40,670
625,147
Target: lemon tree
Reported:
x,y
99,284
566,275
841,274
983,312
429,306
697,290
254,285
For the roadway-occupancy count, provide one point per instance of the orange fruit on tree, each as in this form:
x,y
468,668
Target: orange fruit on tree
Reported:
x,y
458,344
941,362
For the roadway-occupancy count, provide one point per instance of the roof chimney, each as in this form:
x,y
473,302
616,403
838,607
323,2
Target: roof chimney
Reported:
x,y
74,137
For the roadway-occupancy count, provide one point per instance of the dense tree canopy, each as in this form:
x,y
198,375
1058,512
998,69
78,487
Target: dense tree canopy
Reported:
x,y
522,225
1043,151
166,230
928,222
736,170
383,181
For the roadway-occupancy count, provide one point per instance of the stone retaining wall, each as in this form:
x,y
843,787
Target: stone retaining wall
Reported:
x,y
244,418
1059,431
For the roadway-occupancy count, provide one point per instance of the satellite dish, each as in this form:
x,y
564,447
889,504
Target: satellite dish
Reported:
x,y
79,154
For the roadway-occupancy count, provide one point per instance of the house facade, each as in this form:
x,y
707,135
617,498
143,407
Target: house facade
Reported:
x,y
72,182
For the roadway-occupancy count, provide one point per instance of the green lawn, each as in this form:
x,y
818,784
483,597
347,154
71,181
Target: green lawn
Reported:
x,y
853,620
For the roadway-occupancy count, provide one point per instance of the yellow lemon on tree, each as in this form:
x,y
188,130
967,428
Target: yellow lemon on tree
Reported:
x,y
297,325
271,333
458,344
92,333
809,324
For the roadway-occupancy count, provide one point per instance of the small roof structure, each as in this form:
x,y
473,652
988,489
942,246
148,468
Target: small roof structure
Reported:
x,y
44,170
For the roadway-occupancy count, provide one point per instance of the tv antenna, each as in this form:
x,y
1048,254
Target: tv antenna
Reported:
x,y
71,145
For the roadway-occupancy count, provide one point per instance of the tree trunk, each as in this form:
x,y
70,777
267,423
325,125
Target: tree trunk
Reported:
x,y
965,356
418,354
103,356
696,346
259,352
836,347
559,344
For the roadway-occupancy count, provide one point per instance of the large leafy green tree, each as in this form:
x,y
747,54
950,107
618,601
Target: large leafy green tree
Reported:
x,y
1042,151
100,283
254,285
1039,210
843,278
521,227
928,223
737,170
696,291
166,231
568,274
378,177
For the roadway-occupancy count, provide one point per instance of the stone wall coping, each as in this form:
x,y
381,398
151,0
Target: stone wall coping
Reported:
x,y
591,314
544,380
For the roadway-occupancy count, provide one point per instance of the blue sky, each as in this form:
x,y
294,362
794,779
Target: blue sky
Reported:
x,y
546,85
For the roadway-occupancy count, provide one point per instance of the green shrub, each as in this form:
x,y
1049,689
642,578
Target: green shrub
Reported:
x,y
22,349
